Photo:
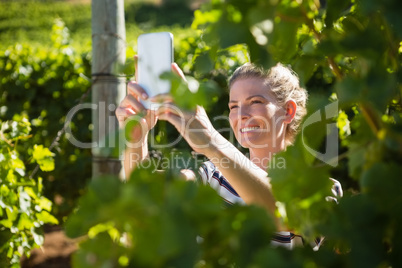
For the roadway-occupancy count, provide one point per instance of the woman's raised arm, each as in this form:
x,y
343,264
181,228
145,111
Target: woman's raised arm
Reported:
x,y
250,181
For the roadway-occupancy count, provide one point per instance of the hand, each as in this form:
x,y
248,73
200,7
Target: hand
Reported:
x,y
195,127
131,106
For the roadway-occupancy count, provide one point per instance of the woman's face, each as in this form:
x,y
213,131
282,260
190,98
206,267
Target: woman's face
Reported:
x,y
255,115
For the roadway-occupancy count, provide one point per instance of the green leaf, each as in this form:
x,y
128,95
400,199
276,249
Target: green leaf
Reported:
x,y
289,185
343,125
349,90
335,9
230,33
93,255
283,39
46,217
305,67
24,222
44,157
303,194
106,188
356,156
203,19
382,183
4,190
96,206
203,63
190,93
45,204
16,164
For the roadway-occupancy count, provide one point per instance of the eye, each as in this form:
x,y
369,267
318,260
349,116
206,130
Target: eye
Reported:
x,y
255,101
234,106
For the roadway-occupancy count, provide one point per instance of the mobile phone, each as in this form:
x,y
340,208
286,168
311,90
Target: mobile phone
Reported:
x,y
155,56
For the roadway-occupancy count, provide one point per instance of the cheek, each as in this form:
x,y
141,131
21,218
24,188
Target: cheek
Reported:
x,y
233,119
262,113
269,112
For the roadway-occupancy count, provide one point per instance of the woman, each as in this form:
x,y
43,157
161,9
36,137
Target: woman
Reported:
x,y
265,111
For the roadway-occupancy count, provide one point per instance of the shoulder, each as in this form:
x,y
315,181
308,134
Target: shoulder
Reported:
x,y
208,166
210,175
206,170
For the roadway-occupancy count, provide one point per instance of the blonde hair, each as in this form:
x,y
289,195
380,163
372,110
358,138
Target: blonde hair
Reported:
x,y
284,83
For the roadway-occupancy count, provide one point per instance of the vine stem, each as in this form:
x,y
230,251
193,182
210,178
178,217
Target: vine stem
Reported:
x,y
367,111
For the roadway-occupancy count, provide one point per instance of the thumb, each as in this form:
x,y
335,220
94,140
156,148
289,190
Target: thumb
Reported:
x,y
176,69
177,121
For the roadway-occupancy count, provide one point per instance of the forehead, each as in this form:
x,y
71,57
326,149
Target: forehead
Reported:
x,y
246,87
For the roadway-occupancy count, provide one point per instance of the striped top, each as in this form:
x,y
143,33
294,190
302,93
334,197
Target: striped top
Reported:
x,y
210,175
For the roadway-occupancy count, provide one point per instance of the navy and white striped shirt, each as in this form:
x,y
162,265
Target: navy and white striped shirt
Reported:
x,y
210,175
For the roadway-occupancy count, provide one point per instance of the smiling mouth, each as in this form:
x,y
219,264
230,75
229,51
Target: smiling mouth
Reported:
x,y
248,129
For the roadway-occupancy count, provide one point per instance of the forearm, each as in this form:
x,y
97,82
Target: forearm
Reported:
x,y
134,155
250,181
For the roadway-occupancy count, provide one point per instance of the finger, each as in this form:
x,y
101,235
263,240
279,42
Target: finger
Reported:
x,y
171,109
151,118
131,101
123,112
188,174
177,121
201,111
162,98
152,114
133,88
176,69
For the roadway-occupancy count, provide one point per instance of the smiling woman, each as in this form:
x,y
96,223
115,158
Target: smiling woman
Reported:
x,y
265,110
277,91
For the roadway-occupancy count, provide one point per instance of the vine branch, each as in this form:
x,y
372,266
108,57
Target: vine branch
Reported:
x,y
367,111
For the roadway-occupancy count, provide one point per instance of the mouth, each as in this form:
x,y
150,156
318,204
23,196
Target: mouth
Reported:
x,y
249,129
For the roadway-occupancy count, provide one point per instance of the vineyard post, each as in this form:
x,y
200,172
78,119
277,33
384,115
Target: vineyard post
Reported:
x,y
108,54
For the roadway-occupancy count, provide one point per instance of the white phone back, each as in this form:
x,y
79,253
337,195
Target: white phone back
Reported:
x,y
155,56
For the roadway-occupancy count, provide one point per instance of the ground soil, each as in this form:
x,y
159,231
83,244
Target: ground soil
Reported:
x,y
55,252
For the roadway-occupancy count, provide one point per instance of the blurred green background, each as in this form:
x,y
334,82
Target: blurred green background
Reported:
x,y
31,22
45,63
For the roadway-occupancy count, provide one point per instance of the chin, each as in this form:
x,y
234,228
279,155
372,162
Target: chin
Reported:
x,y
250,144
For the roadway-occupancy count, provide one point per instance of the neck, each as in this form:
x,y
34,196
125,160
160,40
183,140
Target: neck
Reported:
x,y
262,156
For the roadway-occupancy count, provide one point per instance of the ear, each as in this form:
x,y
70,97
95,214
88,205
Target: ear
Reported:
x,y
290,111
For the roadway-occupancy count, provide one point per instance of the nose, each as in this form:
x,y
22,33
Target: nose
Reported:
x,y
244,112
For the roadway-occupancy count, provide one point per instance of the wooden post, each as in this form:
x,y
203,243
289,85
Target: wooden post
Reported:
x,y
108,53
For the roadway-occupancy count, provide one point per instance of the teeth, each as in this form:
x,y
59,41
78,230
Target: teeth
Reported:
x,y
246,129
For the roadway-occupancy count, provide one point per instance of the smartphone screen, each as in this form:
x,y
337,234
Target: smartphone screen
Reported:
x,y
155,56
